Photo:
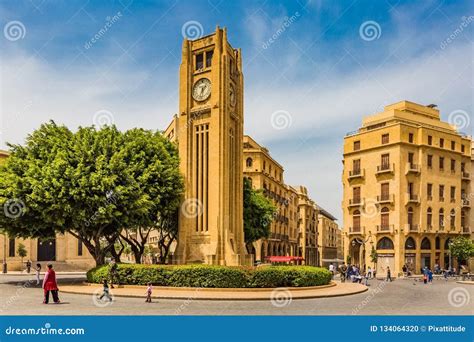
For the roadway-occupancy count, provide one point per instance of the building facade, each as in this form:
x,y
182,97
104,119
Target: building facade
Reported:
x,y
329,239
405,182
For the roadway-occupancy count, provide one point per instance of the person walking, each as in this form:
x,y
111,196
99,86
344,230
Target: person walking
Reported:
x,y
331,269
389,275
105,291
50,285
149,290
430,276
369,272
113,273
343,270
37,271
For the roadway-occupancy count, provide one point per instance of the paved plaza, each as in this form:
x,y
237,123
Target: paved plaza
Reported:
x,y
18,296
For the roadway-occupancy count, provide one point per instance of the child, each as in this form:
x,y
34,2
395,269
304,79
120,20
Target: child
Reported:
x,y
149,290
38,270
106,292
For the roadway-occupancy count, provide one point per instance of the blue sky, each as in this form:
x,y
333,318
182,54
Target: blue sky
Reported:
x,y
322,74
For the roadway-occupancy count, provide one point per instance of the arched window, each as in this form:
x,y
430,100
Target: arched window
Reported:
x,y
425,243
385,243
437,242
452,219
429,217
356,220
249,162
385,218
410,243
446,244
441,218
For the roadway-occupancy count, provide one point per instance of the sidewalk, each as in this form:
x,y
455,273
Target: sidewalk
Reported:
x,y
332,290
23,273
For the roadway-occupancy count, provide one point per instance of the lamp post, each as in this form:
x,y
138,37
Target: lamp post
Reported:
x,y
5,267
449,249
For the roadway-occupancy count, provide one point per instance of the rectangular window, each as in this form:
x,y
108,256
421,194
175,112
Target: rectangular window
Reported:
x,y
463,167
11,247
385,159
429,191
463,148
411,157
356,166
385,138
356,194
441,142
79,247
199,61
453,165
430,140
209,58
453,193
357,145
453,145
430,161
441,193
441,163
411,138
385,191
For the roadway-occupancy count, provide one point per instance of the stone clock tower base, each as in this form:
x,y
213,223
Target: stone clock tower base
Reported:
x,y
209,133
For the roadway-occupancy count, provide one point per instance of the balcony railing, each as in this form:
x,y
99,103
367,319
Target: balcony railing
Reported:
x,y
410,227
466,175
385,228
412,168
355,202
413,199
358,173
466,230
356,230
386,198
385,168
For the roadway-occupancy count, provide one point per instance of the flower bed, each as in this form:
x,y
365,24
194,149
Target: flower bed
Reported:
x,y
208,276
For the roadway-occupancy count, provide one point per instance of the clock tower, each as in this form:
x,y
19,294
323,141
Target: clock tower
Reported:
x,y
209,132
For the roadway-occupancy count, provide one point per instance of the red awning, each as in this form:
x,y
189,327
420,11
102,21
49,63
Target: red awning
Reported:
x,y
283,258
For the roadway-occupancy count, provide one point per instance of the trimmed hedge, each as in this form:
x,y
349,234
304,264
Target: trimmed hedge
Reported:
x,y
208,276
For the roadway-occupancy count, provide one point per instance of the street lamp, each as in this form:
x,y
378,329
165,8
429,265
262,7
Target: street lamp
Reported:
x,y
5,268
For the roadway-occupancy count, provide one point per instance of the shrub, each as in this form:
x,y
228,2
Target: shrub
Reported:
x,y
208,276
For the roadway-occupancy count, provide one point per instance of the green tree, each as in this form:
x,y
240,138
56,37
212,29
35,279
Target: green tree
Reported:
x,y
94,184
374,256
461,248
21,251
259,212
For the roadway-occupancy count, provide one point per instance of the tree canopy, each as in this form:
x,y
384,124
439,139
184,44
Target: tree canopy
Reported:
x,y
259,212
93,184
461,248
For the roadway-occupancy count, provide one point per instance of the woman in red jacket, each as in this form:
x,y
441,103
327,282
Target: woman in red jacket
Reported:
x,y
49,284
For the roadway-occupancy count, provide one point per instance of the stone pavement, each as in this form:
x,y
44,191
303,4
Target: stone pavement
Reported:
x,y
332,290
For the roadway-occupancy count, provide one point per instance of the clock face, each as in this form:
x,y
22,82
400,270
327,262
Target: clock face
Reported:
x,y
202,89
232,95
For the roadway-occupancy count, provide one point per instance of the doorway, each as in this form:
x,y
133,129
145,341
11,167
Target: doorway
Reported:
x,y
47,249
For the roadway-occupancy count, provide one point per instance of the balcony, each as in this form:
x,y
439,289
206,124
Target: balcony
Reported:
x,y
359,173
410,227
465,176
386,199
356,230
466,230
355,202
466,203
387,228
385,168
412,168
412,199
